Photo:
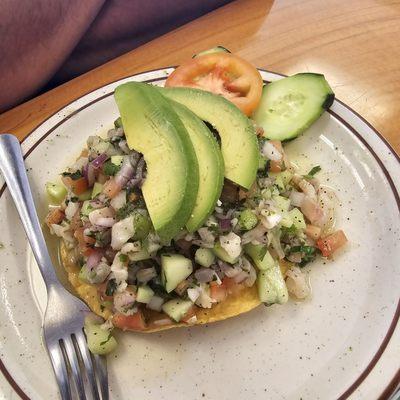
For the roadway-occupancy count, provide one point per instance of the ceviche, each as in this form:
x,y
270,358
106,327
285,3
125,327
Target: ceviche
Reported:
x,y
188,210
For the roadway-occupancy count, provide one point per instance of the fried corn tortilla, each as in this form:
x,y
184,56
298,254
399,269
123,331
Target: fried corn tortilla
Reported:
x,y
237,303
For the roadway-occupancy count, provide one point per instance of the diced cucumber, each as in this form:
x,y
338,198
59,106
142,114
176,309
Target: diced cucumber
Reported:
x,y
97,189
176,308
286,220
85,195
297,218
204,257
175,268
290,105
118,122
139,255
271,286
217,49
247,220
89,276
86,208
222,254
281,203
117,160
141,224
282,179
144,294
260,256
56,192
100,341
262,164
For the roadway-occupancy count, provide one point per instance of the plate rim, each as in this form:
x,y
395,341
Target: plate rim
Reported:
x,y
391,386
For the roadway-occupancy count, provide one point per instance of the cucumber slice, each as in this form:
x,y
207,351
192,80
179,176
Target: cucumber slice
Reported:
x,y
144,294
175,268
176,309
97,189
297,218
86,208
217,49
204,257
56,192
100,341
247,220
290,105
271,286
117,160
221,253
260,256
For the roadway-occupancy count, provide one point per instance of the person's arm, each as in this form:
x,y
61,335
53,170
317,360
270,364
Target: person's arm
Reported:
x,y
36,37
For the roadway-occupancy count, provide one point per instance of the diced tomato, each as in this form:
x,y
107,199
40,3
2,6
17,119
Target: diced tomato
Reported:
x,y
133,322
84,241
77,186
231,286
76,221
313,232
111,188
218,292
55,216
224,74
329,244
190,314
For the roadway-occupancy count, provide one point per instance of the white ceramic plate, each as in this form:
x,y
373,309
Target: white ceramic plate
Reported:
x,y
343,342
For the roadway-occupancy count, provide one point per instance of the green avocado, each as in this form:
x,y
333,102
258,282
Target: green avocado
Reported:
x,y
154,129
211,166
238,138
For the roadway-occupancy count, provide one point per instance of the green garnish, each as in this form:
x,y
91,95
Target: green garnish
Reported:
x,y
125,211
110,169
111,287
308,253
313,171
123,258
73,175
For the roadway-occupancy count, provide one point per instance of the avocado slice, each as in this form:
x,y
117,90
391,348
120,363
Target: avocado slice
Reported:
x,y
238,138
153,128
211,166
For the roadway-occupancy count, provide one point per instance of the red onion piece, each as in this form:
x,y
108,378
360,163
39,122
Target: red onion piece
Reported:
x,y
125,173
204,275
224,224
94,258
99,161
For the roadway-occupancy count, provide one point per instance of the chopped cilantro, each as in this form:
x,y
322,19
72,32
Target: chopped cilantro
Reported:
x,y
123,258
110,169
313,171
126,210
289,231
73,175
111,287
308,253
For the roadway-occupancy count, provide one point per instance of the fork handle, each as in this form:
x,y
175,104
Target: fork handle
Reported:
x,y
13,169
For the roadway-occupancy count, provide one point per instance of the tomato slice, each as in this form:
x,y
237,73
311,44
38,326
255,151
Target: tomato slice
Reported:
x,y
55,216
224,74
218,292
329,244
78,186
133,322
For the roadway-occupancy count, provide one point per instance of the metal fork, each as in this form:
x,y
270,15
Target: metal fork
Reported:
x,y
77,371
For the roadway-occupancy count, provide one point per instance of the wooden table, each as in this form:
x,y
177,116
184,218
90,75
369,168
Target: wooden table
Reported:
x,y
356,44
